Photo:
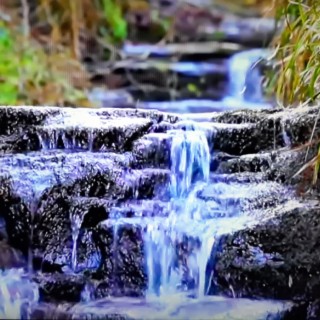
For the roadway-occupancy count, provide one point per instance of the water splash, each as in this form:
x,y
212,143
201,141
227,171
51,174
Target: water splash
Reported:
x,y
149,247
48,139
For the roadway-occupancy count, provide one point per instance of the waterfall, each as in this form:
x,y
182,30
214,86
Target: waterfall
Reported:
x,y
245,78
189,155
190,168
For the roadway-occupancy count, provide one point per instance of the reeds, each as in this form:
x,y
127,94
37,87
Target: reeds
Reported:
x,y
295,78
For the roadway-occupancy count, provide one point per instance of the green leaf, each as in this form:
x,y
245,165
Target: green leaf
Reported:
x,y
115,19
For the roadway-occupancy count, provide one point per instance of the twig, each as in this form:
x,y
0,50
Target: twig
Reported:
x,y
25,15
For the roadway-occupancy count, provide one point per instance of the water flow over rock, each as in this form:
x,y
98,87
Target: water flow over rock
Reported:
x,y
190,168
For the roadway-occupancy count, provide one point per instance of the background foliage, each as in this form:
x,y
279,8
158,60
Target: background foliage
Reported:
x,y
295,78
41,45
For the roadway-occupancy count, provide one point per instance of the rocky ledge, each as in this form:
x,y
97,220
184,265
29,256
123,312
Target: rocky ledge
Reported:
x,y
81,186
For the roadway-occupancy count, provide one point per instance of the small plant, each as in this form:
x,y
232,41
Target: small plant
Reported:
x,y
29,75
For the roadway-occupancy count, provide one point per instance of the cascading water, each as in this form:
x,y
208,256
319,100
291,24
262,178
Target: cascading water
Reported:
x,y
189,154
190,168
245,78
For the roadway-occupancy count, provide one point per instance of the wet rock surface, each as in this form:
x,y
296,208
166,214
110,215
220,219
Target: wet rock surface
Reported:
x,y
80,187
276,258
267,130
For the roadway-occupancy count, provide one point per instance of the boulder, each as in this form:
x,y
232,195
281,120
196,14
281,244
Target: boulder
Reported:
x,y
276,259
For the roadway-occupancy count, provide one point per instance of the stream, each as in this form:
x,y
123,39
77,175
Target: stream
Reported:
x,y
130,207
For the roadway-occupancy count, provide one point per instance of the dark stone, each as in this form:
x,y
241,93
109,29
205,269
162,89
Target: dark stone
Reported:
x,y
122,264
13,119
256,131
278,258
246,163
49,311
152,150
15,217
313,311
60,287
10,257
55,247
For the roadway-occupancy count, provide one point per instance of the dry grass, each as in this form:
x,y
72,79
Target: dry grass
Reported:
x,y
297,68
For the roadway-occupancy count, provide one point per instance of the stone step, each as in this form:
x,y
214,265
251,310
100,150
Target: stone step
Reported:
x,y
279,165
36,180
228,164
274,128
267,130
46,169
152,150
31,174
52,127
17,118
238,197
235,139
112,134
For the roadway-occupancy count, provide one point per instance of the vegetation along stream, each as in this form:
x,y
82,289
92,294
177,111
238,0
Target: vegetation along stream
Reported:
x,y
159,160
